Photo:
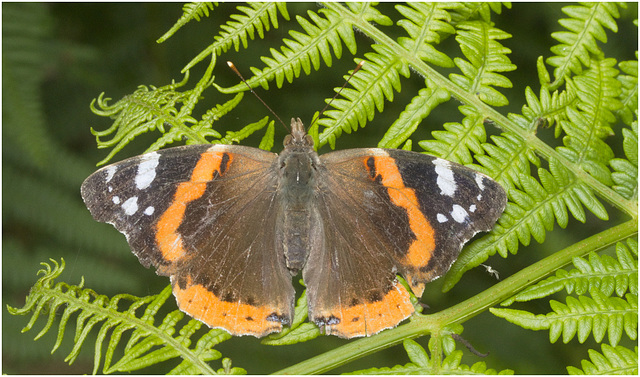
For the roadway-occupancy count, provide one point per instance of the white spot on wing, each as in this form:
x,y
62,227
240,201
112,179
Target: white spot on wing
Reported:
x,y
149,211
147,170
479,197
472,208
459,214
479,181
446,182
111,170
115,200
130,206
442,218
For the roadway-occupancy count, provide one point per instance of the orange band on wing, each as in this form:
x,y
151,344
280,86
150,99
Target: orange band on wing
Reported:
x,y
169,241
235,317
421,249
372,317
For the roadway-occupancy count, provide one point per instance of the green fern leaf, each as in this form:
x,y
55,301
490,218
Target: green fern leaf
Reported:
x,y
625,174
549,106
486,56
256,17
605,273
426,24
412,116
586,26
460,140
629,95
598,92
373,83
306,49
26,29
147,345
421,363
612,360
599,314
191,11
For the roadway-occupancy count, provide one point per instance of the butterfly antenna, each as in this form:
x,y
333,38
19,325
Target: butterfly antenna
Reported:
x,y
233,67
338,92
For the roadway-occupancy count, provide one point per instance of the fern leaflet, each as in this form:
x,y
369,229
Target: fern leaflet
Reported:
x,y
585,26
148,343
486,56
605,273
612,360
256,17
190,11
421,363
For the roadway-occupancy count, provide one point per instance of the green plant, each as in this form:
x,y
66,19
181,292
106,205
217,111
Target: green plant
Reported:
x,y
591,105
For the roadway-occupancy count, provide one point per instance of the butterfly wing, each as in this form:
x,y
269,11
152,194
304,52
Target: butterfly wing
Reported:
x,y
385,212
205,216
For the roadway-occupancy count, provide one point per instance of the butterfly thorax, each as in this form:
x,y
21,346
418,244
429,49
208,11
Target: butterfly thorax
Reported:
x,y
298,165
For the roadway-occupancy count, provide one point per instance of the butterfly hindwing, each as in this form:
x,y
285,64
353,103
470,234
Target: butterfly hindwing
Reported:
x,y
205,216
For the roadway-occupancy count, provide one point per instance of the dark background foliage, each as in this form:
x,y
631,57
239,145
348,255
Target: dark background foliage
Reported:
x,y
58,57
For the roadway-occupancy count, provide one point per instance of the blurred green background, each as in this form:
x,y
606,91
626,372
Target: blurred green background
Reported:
x,y
58,57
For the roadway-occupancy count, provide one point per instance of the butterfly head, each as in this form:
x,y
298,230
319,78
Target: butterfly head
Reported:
x,y
298,136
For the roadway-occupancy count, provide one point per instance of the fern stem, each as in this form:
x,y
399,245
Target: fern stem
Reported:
x,y
434,323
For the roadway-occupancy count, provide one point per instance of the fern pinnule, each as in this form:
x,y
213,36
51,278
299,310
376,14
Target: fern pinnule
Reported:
x,y
459,140
422,363
414,113
625,171
255,17
612,360
604,272
148,343
586,27
597,314
550,106
485,58
426,24
629,93
376,81
306,48
190,11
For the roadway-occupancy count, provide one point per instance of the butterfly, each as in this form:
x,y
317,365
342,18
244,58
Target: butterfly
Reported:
x,y
232,225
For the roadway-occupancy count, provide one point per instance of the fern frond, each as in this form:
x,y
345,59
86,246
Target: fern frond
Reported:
x,y
148,344
605,273
190,11
550,106
629,95
625,174
579,43
421,363
420,107
256,17
372,84
470,10
598,92
151,108
426,24
598,315
486,56
459,140
612,360
305,49
25,29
